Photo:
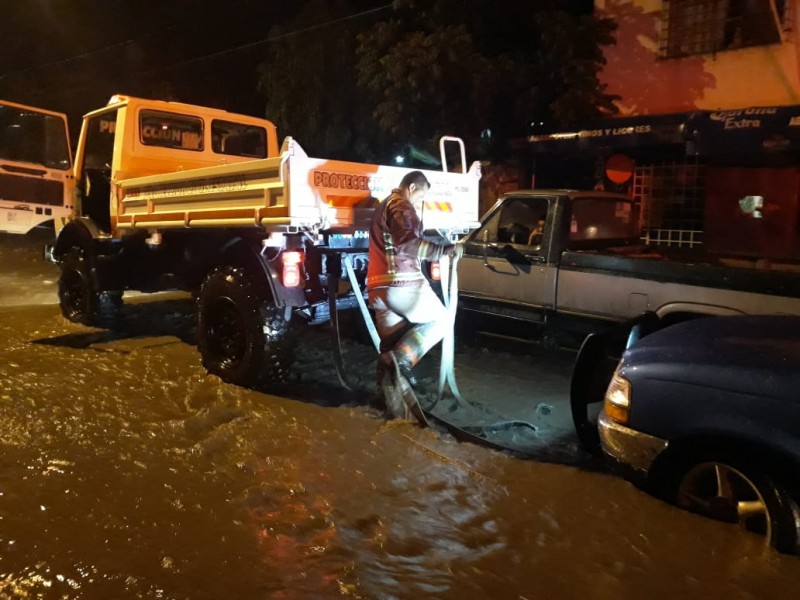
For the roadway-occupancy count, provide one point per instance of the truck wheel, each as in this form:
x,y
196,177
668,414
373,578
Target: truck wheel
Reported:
x,y
591,375
738,492
78,299
241,336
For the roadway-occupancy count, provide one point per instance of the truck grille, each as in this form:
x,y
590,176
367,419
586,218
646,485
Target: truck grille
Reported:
x,y
28,189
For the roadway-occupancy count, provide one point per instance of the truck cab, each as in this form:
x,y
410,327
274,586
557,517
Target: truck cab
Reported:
x,y
516,254
134,137
36,183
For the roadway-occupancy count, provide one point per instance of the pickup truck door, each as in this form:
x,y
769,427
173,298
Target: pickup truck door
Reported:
x,y
505,260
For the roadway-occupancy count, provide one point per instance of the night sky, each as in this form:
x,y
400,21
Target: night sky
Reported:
x,y
72,55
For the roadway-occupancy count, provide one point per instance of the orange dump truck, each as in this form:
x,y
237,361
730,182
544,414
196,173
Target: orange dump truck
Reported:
x,y
174,196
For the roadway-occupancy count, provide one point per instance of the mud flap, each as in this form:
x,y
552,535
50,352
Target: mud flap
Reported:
x,y
594,367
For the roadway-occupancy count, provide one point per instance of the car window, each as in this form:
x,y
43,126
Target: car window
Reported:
x,y
521,222
238,139
170,130
33,137
603,219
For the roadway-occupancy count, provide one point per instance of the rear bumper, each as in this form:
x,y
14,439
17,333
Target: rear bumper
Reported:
x,y
631,449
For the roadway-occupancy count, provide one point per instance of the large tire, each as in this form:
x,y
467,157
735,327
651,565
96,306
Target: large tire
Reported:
x,y
241,335
594,367
736,490
78,298
590,378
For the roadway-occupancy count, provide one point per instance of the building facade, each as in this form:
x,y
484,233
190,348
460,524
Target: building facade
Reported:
x,y
676,56
708,131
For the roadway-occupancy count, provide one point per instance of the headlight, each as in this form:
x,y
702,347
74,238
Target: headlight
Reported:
x,y
618,398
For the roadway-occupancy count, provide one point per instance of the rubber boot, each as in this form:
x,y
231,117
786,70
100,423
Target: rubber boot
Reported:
x,y
401,401
383,375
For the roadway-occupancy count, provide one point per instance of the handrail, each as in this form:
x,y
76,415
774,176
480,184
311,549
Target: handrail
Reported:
x,y
460,142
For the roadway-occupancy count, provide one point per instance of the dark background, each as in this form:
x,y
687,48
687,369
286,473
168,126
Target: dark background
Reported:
x,y
62,54
71,56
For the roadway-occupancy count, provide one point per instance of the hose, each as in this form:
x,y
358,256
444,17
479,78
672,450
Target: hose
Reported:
x,y
447,377
478,434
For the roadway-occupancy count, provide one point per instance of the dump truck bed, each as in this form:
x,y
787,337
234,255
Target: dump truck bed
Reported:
x,y
290,192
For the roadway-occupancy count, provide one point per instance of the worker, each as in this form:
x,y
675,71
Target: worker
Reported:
x,y
409,316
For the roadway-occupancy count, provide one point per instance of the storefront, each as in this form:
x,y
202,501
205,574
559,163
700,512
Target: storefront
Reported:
x,y
728,180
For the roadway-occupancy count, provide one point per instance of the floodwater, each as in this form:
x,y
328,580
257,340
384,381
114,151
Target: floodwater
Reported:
x,y
128,472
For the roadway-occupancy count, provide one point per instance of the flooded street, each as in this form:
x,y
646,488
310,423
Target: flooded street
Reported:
x,y
128,472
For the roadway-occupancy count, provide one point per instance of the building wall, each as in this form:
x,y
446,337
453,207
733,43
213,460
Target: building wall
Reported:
x,y
754,76
774,234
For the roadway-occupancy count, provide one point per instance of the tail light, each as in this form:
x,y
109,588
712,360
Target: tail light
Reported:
x,y
291,268
436,271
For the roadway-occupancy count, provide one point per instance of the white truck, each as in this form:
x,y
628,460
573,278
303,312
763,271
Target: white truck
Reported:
x,y
36,182
174,196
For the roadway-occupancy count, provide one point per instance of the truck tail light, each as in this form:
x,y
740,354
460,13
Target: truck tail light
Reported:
x,y
291,268
618,399
436,271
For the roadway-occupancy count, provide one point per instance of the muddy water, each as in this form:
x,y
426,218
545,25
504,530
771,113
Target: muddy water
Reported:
x,y
127,472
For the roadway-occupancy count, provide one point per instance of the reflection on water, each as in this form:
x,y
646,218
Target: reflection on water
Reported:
x,y
127,472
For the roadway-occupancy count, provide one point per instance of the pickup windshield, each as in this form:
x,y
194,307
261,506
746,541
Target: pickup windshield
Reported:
x,y
602,219
32,137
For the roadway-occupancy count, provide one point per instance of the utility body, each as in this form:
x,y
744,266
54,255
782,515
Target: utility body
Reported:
x,y
175,196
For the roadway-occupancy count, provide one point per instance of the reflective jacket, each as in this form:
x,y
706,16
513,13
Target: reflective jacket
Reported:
x,y
396,245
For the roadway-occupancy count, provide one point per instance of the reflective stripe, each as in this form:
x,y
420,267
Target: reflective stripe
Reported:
x,y
438,206
388,244
391,278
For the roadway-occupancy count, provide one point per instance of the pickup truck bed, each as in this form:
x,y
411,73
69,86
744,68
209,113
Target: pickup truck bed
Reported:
x,y
703,270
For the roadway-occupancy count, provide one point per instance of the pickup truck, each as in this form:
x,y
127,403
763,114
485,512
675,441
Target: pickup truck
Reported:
x,y
574,260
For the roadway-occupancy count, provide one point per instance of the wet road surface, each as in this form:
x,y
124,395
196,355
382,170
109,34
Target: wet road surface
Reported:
x,y
128,472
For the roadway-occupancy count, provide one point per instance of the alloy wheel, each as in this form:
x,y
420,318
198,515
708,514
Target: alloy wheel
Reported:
x,y
722,492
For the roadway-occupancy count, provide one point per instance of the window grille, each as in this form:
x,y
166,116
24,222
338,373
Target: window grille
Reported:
x,y
690,27
672,200
684,238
